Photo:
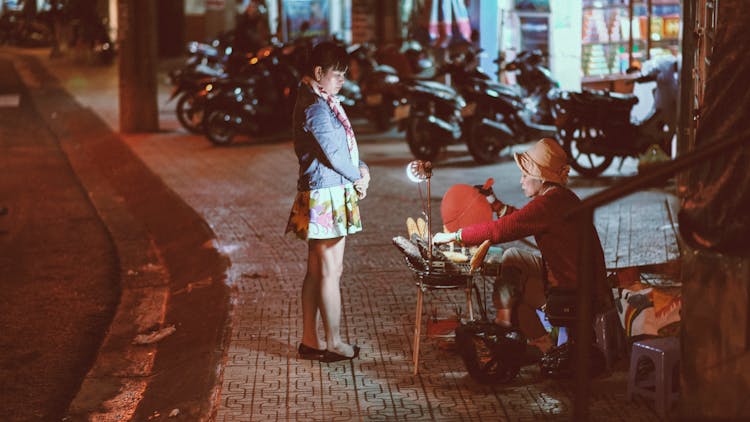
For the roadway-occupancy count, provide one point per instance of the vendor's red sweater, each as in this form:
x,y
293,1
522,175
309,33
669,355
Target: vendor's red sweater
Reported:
x,y
558,239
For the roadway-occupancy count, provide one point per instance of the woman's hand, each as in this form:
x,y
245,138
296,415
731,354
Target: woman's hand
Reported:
x,y
362,184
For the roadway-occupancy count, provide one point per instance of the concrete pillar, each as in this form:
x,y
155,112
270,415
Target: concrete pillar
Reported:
x,y
489,26
215,19
139,110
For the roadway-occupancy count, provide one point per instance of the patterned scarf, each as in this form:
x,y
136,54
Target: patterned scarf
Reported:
x,y
338,111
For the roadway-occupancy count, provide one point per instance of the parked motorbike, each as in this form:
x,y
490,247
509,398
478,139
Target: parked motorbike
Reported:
x,y
16,28
595,126
496,115
260,102
193,98
538,89
431,116
204,67
378,83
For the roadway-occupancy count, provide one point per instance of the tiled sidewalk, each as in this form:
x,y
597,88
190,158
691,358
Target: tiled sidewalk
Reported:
x,y
244,193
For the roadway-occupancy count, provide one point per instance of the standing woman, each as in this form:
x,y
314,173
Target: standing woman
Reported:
x,y
332,180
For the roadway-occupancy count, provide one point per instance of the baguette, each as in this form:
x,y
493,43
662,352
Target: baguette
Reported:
x,y
411,227
456,257
422,227
478,258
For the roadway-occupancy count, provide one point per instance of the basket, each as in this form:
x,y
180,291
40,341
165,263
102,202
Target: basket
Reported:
x,y
438,276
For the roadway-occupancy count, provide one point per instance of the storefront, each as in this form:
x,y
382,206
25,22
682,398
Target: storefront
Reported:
x,y
589,43
618,34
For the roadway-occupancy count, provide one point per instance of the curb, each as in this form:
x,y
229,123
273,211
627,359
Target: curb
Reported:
x,y
170,273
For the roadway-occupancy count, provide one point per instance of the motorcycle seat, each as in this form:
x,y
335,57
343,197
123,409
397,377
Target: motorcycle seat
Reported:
x,y
507,90
384,68
433,86
625,100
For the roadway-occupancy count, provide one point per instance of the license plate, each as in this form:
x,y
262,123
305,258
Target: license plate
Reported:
x,y
401,112
469,110
374,99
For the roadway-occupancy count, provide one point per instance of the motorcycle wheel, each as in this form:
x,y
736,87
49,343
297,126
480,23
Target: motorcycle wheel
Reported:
x,y
219,128
382,118
575,137
421,141
190,112
484,147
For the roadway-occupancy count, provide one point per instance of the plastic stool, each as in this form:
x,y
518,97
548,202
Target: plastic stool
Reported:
x,y
665,354
610,336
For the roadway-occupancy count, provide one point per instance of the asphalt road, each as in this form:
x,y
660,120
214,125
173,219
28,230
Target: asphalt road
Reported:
x,y
59,268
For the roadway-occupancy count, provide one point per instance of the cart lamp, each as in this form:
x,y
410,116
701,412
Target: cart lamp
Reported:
x,y
418,171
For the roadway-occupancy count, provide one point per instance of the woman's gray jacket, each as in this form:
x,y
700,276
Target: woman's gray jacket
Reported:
x,y
320,144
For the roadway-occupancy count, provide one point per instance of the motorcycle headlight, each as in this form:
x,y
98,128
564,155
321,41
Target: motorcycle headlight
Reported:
x,y
391,79
493,93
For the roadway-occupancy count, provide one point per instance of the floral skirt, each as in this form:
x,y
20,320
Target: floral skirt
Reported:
x,y
325,213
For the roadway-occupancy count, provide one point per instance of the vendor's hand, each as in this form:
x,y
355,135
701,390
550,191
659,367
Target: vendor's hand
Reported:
x,y
485,191
443,238
498,206
488,193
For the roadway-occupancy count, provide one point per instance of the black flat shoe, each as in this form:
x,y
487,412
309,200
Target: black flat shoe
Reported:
x,y
335,357
311,353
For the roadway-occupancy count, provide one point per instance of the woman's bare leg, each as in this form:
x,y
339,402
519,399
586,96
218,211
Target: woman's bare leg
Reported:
x,y
311,299
331,255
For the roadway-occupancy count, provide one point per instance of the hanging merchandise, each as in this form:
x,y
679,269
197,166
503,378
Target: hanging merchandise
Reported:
x,y
306,19
442,14
541,6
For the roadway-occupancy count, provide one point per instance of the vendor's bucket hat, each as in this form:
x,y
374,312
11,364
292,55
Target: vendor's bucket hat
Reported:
x,y
546,160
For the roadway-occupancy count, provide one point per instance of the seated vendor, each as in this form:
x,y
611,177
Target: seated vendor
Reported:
x,y
525,277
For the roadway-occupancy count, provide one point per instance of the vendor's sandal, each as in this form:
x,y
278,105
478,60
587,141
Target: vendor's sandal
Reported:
x,y
311,353
335,357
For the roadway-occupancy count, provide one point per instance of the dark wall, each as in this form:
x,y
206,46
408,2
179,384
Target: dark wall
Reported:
x,y
171,28
714,218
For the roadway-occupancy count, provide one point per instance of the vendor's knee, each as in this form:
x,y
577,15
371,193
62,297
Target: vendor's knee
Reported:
x,y
513,256
510,276
503,297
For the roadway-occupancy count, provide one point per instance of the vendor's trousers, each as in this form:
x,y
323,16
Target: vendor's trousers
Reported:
x,y
520,285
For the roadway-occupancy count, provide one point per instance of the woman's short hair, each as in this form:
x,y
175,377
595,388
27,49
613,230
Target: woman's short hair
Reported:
x,y
328,55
